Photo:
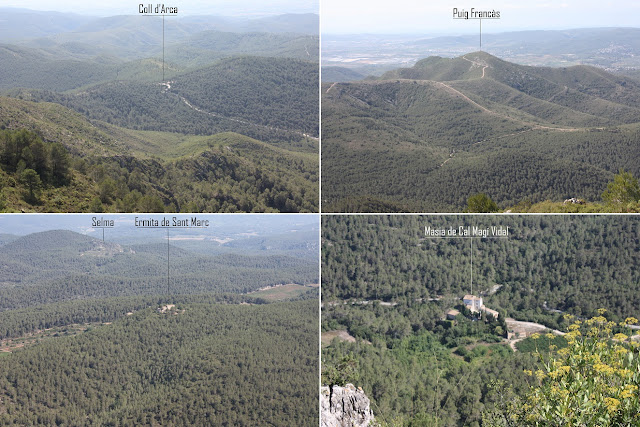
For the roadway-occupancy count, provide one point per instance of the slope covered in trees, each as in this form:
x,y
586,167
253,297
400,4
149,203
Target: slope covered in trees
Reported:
x,y
231,133
51,69
575,264
439,377
389,287
272,99
62,266
428,137
127,37
116,169
212,363
59,51
99,332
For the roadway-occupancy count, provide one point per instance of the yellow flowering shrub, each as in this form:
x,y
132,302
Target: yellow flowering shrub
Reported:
x,y
593,382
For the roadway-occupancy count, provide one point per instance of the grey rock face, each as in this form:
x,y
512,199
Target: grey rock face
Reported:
x,y
344,407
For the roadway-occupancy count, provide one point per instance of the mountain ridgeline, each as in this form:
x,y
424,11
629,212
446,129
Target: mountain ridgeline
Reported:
x,y
426,138
55,51
271,99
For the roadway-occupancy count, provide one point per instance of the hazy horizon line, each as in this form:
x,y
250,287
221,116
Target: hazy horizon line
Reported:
x,y
195,14
468,33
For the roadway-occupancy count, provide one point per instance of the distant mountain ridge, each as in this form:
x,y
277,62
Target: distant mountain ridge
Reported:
x,y
49,240
30,24
20,23
614,49
132,37
61,265
74,66
340,74
70,51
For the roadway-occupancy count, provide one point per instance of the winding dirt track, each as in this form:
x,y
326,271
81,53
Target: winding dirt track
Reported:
x,y
484,67
331,87
245,122
533,126
458,94
443,163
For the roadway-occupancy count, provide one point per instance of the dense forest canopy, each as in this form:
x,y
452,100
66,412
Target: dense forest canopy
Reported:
x,y
209,363
428,137
271,99
574,264
147,332
389,286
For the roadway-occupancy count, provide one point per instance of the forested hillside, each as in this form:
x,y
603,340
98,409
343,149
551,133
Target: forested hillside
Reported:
x,y
62,265
388,286
575,264
452,128
155,333
67,66
340,74
228,122
210,363
266,98
109,168
205,47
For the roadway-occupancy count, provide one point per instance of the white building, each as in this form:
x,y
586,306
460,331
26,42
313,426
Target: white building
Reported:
x,y
473,303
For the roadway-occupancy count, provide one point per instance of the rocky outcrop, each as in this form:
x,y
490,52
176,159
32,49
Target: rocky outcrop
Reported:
x,y
344,407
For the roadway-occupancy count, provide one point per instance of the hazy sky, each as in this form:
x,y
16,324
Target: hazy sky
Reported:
x,y
429,16
185,7
22,224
